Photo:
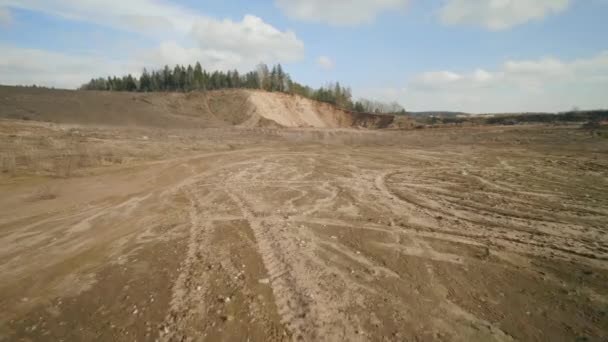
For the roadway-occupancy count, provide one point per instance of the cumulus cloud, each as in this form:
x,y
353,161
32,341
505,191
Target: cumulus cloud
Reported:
x,y
5,17
325,62
227,44
498,14
250,38
545,84
182,36
338,12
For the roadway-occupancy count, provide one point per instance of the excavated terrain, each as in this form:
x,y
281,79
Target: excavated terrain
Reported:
x,y
199,217
220,108
227,234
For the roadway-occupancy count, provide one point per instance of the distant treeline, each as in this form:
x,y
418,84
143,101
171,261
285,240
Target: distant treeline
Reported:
x,y
442,118
186,79
574,116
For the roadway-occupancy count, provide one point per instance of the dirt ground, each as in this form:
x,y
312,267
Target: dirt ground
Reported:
x,y
470,234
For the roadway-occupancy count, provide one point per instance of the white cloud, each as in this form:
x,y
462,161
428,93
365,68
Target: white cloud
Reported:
x,y
118,14
338,12
498,14
437,78
19,66
5,17
251,38
325,62
181,35
226,44
545,84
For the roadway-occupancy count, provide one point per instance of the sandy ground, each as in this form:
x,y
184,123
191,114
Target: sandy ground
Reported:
x,y
477,234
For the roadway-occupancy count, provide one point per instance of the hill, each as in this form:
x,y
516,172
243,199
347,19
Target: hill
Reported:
x,y
219,108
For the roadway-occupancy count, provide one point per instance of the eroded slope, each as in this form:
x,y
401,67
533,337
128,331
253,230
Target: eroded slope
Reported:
x,y
222,108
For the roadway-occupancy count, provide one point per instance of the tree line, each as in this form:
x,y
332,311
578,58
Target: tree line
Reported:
x,y
186,79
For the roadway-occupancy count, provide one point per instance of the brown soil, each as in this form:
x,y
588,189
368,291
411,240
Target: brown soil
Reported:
x,y
221,108
471,234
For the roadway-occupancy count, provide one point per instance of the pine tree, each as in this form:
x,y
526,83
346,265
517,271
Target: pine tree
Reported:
x,y
280,79
167,79
176,79
189,78
236,79
198,76
145,81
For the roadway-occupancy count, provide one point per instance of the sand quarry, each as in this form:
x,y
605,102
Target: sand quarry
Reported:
x,y
248,216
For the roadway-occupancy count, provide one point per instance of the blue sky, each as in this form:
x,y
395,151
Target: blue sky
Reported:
x,y
468,55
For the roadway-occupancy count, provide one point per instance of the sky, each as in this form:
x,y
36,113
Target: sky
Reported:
x,y
476,56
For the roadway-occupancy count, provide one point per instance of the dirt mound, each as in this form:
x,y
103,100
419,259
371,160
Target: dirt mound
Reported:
x,y
296,111
245,108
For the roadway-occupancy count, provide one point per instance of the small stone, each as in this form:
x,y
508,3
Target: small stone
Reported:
x,y
334,237
264,281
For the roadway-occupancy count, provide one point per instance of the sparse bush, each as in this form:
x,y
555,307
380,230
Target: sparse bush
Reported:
x,y
45,193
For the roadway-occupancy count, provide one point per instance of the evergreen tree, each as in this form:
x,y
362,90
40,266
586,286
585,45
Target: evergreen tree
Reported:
x,y
359,107
189,84
274,79
280,79
166,79
198,76
145,81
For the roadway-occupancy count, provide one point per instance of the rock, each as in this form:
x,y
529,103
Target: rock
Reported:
x,y
264,281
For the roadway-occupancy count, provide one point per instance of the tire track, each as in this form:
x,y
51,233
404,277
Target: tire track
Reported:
x,y
294,279
187,290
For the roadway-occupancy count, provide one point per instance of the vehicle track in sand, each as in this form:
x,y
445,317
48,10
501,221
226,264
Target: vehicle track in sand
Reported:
x,y
336,243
